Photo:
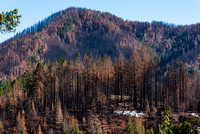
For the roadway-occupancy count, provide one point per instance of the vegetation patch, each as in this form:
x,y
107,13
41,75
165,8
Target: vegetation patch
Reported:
x,y
36,37
158,47
40,50
62,30
33,59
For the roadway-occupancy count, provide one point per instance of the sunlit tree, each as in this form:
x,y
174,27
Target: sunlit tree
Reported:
x,y
9,21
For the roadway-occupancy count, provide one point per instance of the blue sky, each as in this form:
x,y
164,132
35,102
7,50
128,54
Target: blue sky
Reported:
x,y
179,12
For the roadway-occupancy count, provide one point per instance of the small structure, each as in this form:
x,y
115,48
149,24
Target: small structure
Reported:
x,y
194,115
135,113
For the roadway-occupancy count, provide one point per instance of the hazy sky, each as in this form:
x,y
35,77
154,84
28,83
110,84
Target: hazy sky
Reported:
x,y
179,12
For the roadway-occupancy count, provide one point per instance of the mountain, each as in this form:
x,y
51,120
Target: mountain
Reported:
x,y
148,73
74,30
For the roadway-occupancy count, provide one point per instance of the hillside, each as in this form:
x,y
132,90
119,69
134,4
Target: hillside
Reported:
x,y
87,70
97,95
74,30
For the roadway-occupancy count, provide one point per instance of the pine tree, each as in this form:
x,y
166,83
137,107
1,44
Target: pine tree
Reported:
x,y
183,87
9,21
17,83
32,118
107,74
21,127
1,127
156,79
79,70
39,78
172,86
130,128
59,114
119,79
133,74
27,78
39,130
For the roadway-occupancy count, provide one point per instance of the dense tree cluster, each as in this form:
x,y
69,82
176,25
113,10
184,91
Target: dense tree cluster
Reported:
x,y
90,88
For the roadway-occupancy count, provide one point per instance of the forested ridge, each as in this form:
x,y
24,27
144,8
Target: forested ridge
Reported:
x,y
73,30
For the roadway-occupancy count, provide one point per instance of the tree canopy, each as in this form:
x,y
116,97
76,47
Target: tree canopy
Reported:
x,y
9,20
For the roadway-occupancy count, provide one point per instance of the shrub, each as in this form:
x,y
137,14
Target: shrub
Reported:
x,y
40,50
33,59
